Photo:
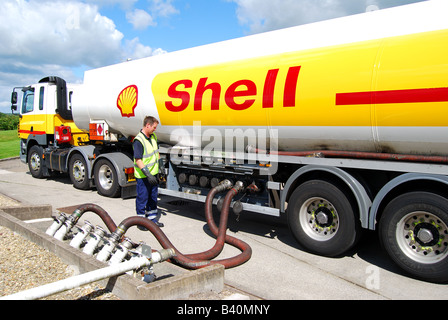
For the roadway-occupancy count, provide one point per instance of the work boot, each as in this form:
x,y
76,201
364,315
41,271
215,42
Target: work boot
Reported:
x,y
159,224
141,228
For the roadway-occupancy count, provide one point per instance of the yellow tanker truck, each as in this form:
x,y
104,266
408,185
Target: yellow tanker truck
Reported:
x,y
340,125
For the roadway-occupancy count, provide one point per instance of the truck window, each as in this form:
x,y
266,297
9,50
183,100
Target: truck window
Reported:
x,y
70,100
28,102
41,98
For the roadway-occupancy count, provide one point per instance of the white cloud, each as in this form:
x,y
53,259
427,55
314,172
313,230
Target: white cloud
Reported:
x,y
40,38
140,19
266,15
163,8
20,74
135,50
124,4
62,33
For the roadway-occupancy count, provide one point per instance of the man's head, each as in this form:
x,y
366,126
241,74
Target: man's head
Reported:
x,y
150,125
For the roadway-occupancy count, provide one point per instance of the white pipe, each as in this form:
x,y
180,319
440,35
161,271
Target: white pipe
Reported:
x,y
106,251
91,245
119,255
81,236
121,252
77,281
62,231
56,224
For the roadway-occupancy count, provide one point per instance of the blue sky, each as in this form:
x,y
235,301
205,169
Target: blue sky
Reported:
x,y
65,37
192,23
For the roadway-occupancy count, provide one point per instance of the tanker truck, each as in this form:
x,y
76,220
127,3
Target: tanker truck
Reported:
x,y
340,126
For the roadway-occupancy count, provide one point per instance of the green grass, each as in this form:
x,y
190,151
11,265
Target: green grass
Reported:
x,y
9,144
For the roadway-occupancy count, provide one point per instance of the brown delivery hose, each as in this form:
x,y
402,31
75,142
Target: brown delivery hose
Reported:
x,y
110,224
191,261
200,260
220,233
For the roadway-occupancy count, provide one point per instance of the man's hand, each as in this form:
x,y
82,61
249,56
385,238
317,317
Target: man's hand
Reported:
x,y
151,179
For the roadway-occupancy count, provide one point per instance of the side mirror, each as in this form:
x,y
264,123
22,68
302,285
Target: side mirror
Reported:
x,y
14,101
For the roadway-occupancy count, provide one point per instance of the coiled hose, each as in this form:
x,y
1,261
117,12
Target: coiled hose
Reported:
x,y
190,261
199,260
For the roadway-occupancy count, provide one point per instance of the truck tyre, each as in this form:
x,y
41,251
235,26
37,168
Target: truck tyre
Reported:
x,y
322,219
106,179
35,162
414,231
78,172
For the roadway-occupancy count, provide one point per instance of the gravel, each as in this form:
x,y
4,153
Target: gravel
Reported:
x,y
24,265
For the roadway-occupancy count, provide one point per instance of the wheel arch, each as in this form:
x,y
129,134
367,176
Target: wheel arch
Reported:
x,y
31,141
88,152
404,183
119,161
356,189
29,144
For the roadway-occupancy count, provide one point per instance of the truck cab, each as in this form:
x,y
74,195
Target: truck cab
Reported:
x,y
45,120
52,142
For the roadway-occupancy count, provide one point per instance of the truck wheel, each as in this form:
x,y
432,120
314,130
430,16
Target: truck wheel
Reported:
x,y
106,179
322,219
414,231
78,172
35,162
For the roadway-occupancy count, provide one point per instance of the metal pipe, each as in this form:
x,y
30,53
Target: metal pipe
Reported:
x,y
83,279
353,155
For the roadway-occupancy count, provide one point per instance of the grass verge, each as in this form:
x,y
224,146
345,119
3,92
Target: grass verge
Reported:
x,y
9,144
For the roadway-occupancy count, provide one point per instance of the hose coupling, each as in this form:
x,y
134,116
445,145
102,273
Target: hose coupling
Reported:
x,y
162,255
95,239
118,233
82,235
224,185
239,186
56,224
74,217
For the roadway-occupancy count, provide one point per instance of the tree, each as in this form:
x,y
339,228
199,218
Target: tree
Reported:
x,y
8,121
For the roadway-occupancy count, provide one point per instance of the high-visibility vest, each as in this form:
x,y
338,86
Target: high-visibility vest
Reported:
x,y
150,155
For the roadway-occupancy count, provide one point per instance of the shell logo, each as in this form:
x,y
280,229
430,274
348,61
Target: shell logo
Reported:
x,y
127,101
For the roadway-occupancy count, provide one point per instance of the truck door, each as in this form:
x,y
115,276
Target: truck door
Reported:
x,y
27,113
33,114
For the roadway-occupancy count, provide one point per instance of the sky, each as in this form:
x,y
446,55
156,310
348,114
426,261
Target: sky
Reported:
x,y
39,38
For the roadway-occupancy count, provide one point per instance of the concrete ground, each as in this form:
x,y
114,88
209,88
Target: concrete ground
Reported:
x,y
278,269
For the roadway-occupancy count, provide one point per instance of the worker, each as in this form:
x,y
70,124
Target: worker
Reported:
x,y
146,165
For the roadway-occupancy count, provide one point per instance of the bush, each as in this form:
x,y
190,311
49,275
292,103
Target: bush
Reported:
x,y
8,121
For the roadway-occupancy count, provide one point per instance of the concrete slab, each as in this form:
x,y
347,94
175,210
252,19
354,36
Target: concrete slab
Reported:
x,y
175,282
